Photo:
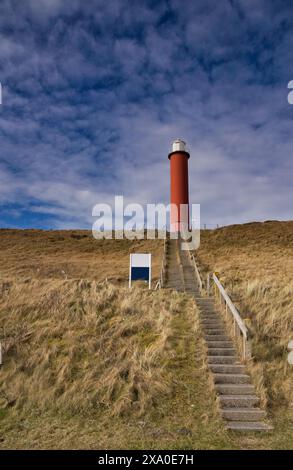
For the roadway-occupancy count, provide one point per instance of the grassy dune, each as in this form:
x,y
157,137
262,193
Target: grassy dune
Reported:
x,y
90,364
93,365
70,254
255,264
79,346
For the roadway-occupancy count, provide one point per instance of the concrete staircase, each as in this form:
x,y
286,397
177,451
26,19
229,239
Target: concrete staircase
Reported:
x,y
238,403
174,277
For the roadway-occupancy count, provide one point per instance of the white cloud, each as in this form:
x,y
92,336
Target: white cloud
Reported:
x,y
93,101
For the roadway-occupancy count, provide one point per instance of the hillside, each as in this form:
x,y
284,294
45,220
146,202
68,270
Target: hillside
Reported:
x,y
93,365
90,364
70,254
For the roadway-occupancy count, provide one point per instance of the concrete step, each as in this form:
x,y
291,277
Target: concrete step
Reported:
x,y
208,305
219,344
216,328
208,311
235,389
222,359
228,368
248,426
231,378
209,318
242,414
221,351
208,332
216,338
213,331
213,323
206,308
238,401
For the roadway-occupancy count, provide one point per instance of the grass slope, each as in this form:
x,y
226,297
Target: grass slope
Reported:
x,y
93,365
70,254
90,364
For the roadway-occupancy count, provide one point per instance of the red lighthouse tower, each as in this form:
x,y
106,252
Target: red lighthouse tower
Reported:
x,y
179,186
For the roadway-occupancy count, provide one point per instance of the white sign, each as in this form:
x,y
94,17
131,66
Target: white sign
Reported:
x,y
140,267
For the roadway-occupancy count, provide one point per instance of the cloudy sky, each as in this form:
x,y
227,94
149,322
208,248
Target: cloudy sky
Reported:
x,y
94,92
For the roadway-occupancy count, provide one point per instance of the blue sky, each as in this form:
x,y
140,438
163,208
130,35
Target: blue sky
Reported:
x,y
95,91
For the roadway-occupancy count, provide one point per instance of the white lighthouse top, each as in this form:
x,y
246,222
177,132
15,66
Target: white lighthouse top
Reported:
x,y
179,146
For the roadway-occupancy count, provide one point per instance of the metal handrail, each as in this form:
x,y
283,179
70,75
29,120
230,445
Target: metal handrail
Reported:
x,y
237,320
236,316
231,306
197,273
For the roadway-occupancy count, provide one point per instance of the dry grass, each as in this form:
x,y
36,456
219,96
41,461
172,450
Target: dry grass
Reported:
x,y
255,263
94,365
81,346
90,364
70,254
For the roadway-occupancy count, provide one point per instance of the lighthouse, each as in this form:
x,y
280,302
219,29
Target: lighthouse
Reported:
x,y
179,219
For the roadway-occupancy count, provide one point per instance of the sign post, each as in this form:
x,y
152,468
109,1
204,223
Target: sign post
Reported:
x,y
140,267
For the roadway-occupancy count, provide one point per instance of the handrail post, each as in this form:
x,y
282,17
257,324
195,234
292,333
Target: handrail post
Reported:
x,y
248,349
208,284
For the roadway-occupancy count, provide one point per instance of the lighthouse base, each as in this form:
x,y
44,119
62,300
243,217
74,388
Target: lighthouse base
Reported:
x,y
179,227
